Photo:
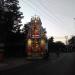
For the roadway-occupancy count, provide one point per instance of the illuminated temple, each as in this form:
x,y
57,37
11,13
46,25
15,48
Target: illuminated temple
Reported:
x,y
36,46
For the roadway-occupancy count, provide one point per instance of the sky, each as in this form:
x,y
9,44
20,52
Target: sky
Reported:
x,y
57,16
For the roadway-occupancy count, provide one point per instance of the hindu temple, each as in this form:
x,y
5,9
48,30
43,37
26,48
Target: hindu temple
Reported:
x,y
36,46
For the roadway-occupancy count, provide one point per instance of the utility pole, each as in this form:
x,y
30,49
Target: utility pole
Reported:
x,y
66,37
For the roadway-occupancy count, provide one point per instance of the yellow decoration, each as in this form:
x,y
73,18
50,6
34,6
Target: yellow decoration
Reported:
x,y
42,42
29,42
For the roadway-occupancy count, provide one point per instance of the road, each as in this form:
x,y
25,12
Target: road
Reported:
x,y
62,65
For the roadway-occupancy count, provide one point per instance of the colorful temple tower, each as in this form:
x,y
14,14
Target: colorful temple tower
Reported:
x,y
36,39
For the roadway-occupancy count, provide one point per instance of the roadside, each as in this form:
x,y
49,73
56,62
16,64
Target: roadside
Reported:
x,y
12,63
17,62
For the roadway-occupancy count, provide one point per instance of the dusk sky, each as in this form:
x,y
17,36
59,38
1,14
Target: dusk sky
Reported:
x,y
57,16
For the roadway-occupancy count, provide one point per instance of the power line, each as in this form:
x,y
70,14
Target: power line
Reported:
x,y
51,11
44,12
30,4
47,12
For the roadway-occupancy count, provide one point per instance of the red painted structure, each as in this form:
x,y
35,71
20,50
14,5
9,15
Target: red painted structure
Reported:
x,y
36,39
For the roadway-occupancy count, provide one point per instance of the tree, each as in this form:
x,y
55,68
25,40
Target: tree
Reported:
x,y
13,15
12,26
71,45
72,40
51,44
60,46
51,39
2,22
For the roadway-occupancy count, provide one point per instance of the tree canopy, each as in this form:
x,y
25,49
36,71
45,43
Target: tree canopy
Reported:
x,y
72,41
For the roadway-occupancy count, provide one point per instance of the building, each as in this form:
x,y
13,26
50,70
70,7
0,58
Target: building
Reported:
x,y
36,45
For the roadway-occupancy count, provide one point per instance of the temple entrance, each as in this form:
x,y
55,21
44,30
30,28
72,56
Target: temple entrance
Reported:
x,y
36,49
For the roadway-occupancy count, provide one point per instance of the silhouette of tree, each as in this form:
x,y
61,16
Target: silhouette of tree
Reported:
x,y
13,15
60,46
51,39
12,27
72,40
71,44
51,44
2,21
57,46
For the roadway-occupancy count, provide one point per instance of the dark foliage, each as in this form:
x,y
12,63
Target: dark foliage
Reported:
x,y
56,46
60,47
10,23
51,45
71,44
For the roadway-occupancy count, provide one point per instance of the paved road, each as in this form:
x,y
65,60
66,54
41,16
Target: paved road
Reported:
x,y
63,65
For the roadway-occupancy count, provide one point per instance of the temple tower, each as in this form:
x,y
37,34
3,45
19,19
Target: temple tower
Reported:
x,y
36,39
